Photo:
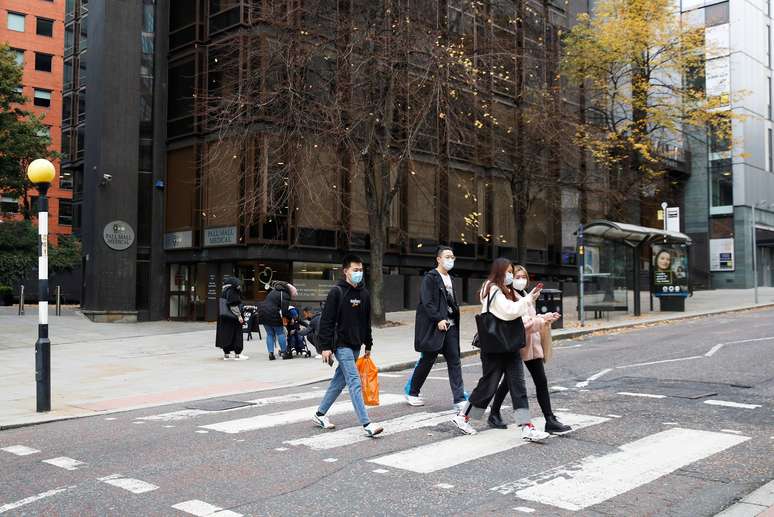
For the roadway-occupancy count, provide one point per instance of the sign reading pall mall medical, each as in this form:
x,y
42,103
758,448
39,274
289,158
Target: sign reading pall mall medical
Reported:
x,y
224,236
118,235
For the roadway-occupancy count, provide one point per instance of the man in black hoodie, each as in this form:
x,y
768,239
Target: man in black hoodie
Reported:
x,y
345,326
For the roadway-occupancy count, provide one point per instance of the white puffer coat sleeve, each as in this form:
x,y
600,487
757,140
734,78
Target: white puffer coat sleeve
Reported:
x,y
502,307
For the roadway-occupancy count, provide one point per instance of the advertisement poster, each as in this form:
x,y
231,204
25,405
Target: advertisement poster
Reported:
x,y
721,254
670,270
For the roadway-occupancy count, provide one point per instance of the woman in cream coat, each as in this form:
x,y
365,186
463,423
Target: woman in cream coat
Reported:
x,y
534,354
498,297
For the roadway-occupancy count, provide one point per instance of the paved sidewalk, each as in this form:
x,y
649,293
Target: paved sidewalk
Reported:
x,y
104,367
760,503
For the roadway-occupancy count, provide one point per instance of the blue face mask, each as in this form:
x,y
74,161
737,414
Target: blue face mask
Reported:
x,y
508,279
356,277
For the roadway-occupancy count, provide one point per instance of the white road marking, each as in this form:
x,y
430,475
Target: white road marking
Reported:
x,y
611,415
391,375
524,509
281,449
20,450
352,435
139,422
558,388
168,426
380,471
436,378
662,362
561,409
292,416
65,463
730,431
670,423
185,414
461,449
200,431
727,403
111,418
331,460
202,509
27,500
646,395
714,349
595,479
445,486
593,378
134,486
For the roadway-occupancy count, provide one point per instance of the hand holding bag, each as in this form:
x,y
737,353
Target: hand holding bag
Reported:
x,y
497,336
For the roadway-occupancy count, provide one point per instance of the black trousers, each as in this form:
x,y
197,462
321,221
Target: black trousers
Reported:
x,y
495,366
451,352
538,373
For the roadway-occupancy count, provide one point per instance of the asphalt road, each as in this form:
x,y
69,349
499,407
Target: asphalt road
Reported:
x,y
659,438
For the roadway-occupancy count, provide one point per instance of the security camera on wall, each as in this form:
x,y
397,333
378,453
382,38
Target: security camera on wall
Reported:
x,y
106,178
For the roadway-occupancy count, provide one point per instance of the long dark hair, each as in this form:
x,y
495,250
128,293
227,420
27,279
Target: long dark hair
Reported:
x,y
497,278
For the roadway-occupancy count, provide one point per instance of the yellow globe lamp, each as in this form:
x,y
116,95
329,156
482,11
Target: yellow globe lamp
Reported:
x,y
41,171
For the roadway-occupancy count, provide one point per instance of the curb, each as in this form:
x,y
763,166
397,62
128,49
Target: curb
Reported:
x,y
399,366
756,503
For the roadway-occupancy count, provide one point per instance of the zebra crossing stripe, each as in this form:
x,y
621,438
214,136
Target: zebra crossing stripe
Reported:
x,y
20,450
353,435
186,414
461,449
595,479
292,416
203,509
134,486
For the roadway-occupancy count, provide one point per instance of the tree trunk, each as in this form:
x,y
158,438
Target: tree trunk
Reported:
x,y
375,276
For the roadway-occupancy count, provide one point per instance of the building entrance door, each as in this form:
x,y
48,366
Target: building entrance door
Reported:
x,y
181,291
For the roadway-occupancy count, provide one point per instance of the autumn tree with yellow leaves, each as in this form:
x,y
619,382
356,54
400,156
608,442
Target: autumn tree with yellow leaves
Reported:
x,y
640,68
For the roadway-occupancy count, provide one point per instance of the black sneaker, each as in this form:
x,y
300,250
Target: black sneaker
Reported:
x,y
271,356
287,355
554,426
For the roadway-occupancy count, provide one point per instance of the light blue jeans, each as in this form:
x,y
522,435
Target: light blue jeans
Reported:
x,y
346,375
277,333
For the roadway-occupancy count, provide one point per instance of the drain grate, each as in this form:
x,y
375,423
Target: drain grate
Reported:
x,y
218,405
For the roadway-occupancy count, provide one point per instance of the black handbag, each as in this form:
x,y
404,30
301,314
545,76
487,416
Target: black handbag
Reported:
x,y
224,310
496,336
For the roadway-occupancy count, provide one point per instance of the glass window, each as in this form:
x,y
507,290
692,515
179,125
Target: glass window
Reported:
x,y
65,212
716,14
84,6
80,147
180,14
66,150
721,136
771,150
44,27
45,131
43,62
81,105
16,22
18,56
83,40
9,205
66,179
70,9
722,179
148,16
721,227
67,110
42,98
82,69
68,74
69,40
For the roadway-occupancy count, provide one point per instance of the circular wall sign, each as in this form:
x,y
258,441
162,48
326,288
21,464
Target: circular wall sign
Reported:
x,y
118,235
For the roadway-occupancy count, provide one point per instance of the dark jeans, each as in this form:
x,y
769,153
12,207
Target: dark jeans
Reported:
x,y
538,373
494,367
450,351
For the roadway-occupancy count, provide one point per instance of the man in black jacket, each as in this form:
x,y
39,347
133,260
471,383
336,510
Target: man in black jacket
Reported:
x,y
437,329
345,326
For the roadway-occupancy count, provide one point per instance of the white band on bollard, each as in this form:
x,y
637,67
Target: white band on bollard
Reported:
x,y
43,268
42,223
43,313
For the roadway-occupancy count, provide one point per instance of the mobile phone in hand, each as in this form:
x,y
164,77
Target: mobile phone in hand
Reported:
x,y
330,361
540,286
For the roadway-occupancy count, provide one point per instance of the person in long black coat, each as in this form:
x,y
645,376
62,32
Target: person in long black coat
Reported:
x,y
437,329
228,333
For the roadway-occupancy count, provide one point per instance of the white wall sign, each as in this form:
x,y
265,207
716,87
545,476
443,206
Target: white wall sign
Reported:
x,y
178,240
118,235
220,236
673,219
721,254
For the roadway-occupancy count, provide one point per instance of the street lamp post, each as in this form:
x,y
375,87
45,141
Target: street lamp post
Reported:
x,y
41,172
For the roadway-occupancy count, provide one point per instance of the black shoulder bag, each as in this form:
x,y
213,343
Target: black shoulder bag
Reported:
x,y
496,336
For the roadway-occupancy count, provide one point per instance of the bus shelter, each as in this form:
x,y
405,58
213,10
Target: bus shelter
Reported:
x,y
610,256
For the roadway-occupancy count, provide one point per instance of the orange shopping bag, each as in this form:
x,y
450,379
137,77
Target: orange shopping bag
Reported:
x,y
369,378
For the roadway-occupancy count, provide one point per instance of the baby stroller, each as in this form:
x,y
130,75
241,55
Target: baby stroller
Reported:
x,y
296,342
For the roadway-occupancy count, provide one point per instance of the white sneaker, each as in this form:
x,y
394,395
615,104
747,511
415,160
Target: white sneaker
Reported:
x,y
460,406
372,429
323,421
463,424
241,357
531,434
226,357
415,401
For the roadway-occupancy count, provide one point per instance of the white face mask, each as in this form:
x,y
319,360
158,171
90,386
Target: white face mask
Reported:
x,y
520,283
508,278
448,264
